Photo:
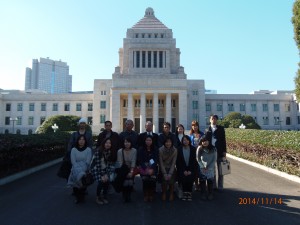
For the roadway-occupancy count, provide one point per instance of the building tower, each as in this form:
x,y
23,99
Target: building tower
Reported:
x,y
49,76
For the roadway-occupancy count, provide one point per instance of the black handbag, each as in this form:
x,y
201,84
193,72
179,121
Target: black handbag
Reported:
x,y
87,179
66,166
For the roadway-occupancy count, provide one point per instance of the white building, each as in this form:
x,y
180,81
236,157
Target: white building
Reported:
x,y
48,75
148,84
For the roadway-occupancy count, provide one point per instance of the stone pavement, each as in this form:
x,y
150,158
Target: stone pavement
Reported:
x,y
252,196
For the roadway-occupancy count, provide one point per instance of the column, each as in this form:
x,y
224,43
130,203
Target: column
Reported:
x,y
142,112
155,113
130,107
168,108
182,106
115,110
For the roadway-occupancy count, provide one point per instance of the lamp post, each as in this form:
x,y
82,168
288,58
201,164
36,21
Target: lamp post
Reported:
x,y
54,127
13,121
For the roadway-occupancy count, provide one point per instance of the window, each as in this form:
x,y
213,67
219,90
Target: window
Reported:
x,y
162,35
155,59
195,116
125,103
195,104
265,107
276,120
161,103
7,120
137,58
42,119
287,107
19,120
149,103
78,106
143,59
155,35
67,107
143,35
208,107
219,107
102,104
288,120
298,117
253,107
102,118
173,103
55,107
149,59
242,107
90,106
90,120
8,107
31,106
195,92
266,120
276,107
136,35
149,35
30,120
20,107
103,92
137,103
160,59
230,107
43,106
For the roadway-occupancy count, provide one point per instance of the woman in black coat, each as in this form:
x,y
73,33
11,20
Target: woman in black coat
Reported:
x,y
186,166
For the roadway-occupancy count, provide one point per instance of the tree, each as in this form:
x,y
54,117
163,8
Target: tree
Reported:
x,y
235,119
64,123
296,23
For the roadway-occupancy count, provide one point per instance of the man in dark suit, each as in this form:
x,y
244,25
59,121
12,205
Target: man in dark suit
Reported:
x,y
149,132
215,134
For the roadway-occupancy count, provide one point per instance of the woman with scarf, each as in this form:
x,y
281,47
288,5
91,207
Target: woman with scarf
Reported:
x,y
81,157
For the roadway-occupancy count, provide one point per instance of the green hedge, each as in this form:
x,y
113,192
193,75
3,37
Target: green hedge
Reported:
x,y
276,149
21,152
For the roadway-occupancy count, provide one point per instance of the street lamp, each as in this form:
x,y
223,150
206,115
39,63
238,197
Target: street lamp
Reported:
x,y
54,127
13,120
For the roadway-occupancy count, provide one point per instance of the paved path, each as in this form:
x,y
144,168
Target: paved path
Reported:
x,y
43,199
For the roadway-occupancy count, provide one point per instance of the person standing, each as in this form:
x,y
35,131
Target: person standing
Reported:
x,y
167,134
195,136
81,156
129,132
82,130
215,134
179,133
114,136
186,167
148,132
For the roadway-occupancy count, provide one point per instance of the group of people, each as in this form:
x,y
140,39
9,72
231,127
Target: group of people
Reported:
x,y
167,158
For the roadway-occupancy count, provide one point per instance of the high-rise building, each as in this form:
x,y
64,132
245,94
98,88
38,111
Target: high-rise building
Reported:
x,y
48,75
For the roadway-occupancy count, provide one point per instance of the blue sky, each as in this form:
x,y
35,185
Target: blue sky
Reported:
x,y
235,46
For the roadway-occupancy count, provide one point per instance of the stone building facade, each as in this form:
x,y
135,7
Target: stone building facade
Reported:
x,y
148,84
